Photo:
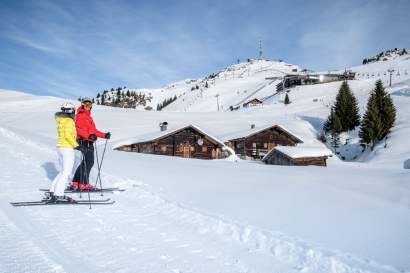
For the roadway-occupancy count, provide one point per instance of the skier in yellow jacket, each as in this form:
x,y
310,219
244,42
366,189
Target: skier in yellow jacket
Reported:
x,y
67,142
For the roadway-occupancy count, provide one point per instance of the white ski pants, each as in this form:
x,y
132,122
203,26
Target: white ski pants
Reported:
x,y
66,159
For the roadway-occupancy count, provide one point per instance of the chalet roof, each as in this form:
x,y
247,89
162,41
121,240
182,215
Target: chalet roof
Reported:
x,y
300,151
249,132
153,136
222,130
252,100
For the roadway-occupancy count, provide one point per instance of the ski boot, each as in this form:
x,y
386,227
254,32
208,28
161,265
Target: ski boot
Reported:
x,y
87,187
49,197
65,199
74,186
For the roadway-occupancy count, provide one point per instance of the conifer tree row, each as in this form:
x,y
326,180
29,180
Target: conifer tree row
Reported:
x,y
165,103
122,97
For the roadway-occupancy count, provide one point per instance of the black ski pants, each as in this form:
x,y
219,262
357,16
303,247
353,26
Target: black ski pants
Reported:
x,y
82,174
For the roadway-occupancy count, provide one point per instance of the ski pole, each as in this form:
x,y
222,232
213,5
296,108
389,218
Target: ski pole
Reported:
x,y
100,165
82,177
98,169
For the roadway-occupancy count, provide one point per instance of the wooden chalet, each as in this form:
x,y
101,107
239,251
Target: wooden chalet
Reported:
x,y
255,143
253,102
189,142
297,156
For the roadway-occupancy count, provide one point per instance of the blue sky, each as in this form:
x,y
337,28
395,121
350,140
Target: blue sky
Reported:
x,y
78,48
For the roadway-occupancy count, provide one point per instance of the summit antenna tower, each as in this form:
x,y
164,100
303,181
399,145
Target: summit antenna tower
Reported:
x,y
260,49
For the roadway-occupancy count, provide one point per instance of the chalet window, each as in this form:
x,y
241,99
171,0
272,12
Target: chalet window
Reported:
x,y
265,145
254,145
204,149
163,148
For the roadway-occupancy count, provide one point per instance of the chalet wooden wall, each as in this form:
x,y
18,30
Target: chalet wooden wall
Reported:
x,y
257,145
183,143
317,161
278,159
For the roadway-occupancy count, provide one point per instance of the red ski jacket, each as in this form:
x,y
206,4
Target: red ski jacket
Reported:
x,y
85,125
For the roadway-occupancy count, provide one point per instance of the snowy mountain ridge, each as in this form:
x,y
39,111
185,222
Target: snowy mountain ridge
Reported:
x,y
242,81
239,83
386,55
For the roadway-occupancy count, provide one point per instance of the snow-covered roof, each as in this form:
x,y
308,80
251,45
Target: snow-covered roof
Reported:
x,y
300,151
152,136
257,129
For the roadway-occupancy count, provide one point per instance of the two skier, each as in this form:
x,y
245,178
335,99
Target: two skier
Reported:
x,y
74,132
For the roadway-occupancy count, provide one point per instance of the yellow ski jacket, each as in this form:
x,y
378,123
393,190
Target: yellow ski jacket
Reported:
x,y
67,132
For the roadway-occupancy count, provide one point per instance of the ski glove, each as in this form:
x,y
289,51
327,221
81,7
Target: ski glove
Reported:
x,y
108,135
93,137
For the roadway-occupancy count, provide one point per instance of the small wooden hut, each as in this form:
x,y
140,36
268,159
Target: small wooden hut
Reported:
x,y
255,143
253,102
189,142
297,156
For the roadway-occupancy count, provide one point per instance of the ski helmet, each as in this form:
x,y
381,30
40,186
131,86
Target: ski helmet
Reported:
x,y
68,108
86,99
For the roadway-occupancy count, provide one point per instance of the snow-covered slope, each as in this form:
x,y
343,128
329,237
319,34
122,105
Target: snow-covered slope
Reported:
x,y
234,85
181,215
186,215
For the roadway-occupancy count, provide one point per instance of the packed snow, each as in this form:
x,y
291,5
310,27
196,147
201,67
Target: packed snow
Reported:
x,y
187,215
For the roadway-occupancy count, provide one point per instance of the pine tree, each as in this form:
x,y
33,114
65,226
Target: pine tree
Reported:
x,y
103,99
371,129
379,117
335,130
346,108
328,125
386,108
287,100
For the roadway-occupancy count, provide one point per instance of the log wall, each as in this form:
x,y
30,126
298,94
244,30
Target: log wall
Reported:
x,y
182,144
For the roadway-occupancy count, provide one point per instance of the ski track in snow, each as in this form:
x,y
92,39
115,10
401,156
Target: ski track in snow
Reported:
x,y
97,240
148,234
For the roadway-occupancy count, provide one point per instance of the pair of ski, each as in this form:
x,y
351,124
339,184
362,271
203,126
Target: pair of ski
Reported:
x,y
106,201
93,202
109,190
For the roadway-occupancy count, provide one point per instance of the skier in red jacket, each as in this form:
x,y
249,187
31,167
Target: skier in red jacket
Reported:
x,y
87,134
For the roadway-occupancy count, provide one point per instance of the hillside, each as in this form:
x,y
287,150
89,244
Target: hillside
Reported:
x,y
187,215
234,84
284,225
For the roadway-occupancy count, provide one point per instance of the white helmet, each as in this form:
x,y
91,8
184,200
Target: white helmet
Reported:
x,y
68,107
